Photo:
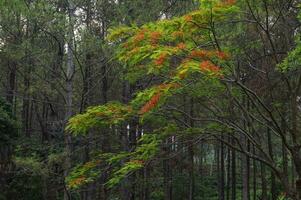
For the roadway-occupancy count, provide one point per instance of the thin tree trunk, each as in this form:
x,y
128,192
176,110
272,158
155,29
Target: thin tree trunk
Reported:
x,y
222,171
246,174
273,180
254,176
191,171
191,155
69,91
146,191
264,195
167,174
228,170
10,96
233,173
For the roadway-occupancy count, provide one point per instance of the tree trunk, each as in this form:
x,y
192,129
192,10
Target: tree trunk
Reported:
x,y
233,172
273,180
191,155
69,91
264,195
191,171
222,171
167,174
254,176
246,173
228,170
11,82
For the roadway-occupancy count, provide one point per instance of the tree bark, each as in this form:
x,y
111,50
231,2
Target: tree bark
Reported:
x,y
69,91
273,180
264,195
233,173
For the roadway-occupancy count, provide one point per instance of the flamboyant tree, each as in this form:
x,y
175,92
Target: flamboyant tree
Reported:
x,y
179,56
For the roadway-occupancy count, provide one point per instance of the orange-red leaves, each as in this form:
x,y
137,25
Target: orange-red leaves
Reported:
x,y
208,66
229,2
204,54
77,181
161,59
181,46
222,55
154,37
140,36
188,18
125,45
168,86
151,103
178,34
200,54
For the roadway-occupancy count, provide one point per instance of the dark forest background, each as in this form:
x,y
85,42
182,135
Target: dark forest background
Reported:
x,y
56,61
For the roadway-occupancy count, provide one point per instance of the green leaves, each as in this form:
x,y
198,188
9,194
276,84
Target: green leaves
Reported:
x,y
147,149
99,116
83,174
121,164
292,61
170,51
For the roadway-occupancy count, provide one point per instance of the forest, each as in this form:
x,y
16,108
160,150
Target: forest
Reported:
x,y
150,100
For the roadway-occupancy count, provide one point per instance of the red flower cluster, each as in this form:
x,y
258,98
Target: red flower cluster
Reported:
x,y
203,54
200,54
229,2
150,104
208,66
181,46
161,59
188,18
168,86
222,55
140,36
77,181
154,37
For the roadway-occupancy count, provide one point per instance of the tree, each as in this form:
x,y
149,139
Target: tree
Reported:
x,y
8,133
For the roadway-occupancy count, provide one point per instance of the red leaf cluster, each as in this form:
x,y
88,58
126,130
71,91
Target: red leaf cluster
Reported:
x,y
203,54
168,85
154,37
208,66
161,59
181,46
151,103
139,36
229,2
77,181
188,18
222,55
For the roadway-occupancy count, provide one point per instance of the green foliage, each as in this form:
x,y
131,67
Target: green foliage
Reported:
x,y
293,61
122,163
31,165
148,147
83,174
152,50
99,116
8,125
